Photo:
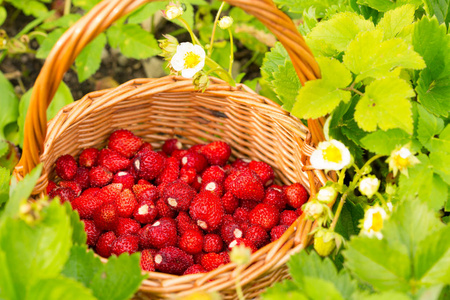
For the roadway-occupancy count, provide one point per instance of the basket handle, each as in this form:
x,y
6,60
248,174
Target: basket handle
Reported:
x,y
98,20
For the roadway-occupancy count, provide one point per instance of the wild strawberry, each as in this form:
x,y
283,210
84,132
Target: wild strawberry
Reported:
x,y
267,216
124,142
173,260
74,186
263,170
296,195
197,183
207,211
246,242
178,154
106,217
82,178
124,178
275,197
231,231
288,217
66,167
227,218
171,145
127,226
196,148
227,169
143,182
92,232
147,261
212,243
213,187
171,171
100,176
149,165
247,186
324,243
145,192
91,192
245,225
188,174
241,163
164,210
110,192
198,258
194,269
217,153
162,153
185,223
50,186
145,212
231,177
248,204
226,256
213,173
126,203
89,157
241,215
194,160
277,232
178,195
212,261
86,206
191,241
160,234
257,235
146,147
127,243
65,194
104,244
113,161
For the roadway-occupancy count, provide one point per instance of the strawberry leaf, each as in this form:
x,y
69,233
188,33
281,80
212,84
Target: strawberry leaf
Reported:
x,y
386,5
286,84
428,126
272,61
438,8
347,224
394,21
440,155
5,176
88,61
390,139
59,288
82,265
9,103
286,289
79,235
137,43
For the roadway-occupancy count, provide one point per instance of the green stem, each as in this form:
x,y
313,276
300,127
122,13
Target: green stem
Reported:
x,y
193,37
382,200
352,89
230,68
239,288
339,210
220,71
249,62
211,44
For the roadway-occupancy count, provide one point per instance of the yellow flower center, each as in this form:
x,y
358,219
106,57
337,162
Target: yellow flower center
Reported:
x,y
400,162
377,222
332,153
191,60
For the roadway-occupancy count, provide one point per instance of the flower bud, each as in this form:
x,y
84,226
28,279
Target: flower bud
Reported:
x,y
314,209
240,255
226,22
369,185
401,159
168,46
327,194
173,11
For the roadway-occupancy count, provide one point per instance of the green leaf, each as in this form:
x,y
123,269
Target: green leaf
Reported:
x,y
5,177
137,43
30,7
82,265
146,11
432,42
85,4
286,289
440,155
79,235
384,142
319,97
9,104
88,61
286,84
394,21
298,6
441,143
368,56
3,15
63,22
348,222
386,5
59,288
276,57
49,42
428,126
383,296
385,104
438,8
340,30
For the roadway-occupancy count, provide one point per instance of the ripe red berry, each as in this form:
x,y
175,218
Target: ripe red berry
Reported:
x,y
160,234
126,203
171,145
106,217
178,154
100,176
257,235
213,187
173,260
217,153
113,161
188,175
194,160
246,242
247,186
230,231
147,261
212,243
86,206
230,202
275,197
185,223
171,171
149,165
104,244
91,192
213,173
241,163
296,195
194,269
263,170
145,212
178,195
65,194
92,232
164,210
196,148
288,217
124,178
146,147
82,178
191,241
110,192
277,232
127,243
212,261
66,167
127,226
89,157
124,142
241,215
145,192
50,186
267,216
206,209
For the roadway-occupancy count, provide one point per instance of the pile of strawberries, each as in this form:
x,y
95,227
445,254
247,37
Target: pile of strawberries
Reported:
x,y
184,209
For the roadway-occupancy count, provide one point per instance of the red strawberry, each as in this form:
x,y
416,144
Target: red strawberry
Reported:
x,y
149,165
164,210
198,258
146,147
124,142
145,212
263,170
89,157
92,232
113,161
171,171
124,178
91,192
171,145
126,203
64,193
241,163
296,195
173,260
248,204
197,183
100,176
158,235
226,256
194,269
147,261
241,215
227,169
86,206
110,193
213,173
145,191
194,160
104,244
188,174
207,211
127,243
230,231
217,153
106,217
185,223
178,154
288,217
178,195
191,241
74,186
66,167
212,261
275,197
50,186
246,242
213,187
82,177
257,235
247,186
212,243
227,218
196,148
277,232
127,226
267,216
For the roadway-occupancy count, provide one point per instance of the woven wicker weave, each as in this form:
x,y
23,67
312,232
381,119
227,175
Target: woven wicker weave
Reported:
x,y
158,109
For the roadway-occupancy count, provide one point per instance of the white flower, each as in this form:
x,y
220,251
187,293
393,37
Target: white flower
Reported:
x,y
390,206
369,185
373,221
326,194
330,155
401,159
189,59
225,22
173,11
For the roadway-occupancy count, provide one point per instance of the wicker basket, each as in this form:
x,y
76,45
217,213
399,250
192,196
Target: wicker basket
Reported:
x,y
158,109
